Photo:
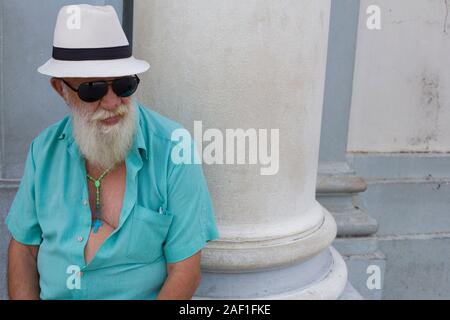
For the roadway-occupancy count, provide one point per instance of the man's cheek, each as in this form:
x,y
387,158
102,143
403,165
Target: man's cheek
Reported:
x,y
126,101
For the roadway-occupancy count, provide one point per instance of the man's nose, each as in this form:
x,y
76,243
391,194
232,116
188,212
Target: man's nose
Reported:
x,y
110,101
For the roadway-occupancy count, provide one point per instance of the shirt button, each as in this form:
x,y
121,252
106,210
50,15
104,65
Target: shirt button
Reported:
x,y
80,239
85,202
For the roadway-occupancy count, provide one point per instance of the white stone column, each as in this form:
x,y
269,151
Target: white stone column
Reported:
x,y
250,64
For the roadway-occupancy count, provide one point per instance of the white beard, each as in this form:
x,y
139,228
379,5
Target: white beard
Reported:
x,y
104,145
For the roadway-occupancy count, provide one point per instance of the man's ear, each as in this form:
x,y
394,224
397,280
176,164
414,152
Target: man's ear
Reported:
x,y
57,85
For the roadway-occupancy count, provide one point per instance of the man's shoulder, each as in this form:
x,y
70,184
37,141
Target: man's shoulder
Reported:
x,y
159,125
51,133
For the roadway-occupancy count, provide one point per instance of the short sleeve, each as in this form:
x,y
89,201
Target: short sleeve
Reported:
x,y
22,219
189,202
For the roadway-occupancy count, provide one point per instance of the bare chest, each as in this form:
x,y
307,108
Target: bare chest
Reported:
x,y
111,195
112,189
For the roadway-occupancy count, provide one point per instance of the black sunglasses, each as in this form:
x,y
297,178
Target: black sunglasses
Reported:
x,y
95,90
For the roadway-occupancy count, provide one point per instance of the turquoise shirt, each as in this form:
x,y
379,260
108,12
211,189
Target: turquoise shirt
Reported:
x,y
166,217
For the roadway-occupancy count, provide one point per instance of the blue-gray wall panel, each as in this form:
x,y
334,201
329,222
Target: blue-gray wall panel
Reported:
x,y
339,79
417,268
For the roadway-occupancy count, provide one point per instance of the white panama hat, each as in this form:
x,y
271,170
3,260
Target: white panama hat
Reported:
x,y
90,42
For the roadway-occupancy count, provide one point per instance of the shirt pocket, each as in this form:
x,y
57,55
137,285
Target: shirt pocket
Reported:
x,y
148,234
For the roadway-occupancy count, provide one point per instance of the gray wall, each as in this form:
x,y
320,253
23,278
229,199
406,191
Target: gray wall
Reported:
x,y
388,107
398,141
402,79
408,195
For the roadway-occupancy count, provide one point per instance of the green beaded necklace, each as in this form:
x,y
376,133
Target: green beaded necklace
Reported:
x,y
97,183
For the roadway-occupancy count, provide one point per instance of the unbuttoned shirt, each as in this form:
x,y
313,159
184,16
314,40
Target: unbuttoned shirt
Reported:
x,y
166,216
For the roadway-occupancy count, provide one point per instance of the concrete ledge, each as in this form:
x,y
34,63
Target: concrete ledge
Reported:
x,y
338,189
340,184
400,165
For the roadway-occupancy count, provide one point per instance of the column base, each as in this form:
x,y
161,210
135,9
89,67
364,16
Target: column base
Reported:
x,y
350,293
338,189
228,255
322,277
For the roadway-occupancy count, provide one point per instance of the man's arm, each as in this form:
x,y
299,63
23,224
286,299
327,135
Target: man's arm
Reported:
x,y
182,280
23,277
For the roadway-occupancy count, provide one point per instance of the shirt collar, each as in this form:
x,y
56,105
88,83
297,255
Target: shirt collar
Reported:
x,y
138,146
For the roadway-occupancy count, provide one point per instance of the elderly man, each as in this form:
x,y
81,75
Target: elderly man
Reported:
x,y
103,211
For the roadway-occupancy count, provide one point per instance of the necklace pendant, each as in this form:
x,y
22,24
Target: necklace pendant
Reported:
x,y
97,224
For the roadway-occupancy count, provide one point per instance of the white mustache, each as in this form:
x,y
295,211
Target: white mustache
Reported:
x,y
105,114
